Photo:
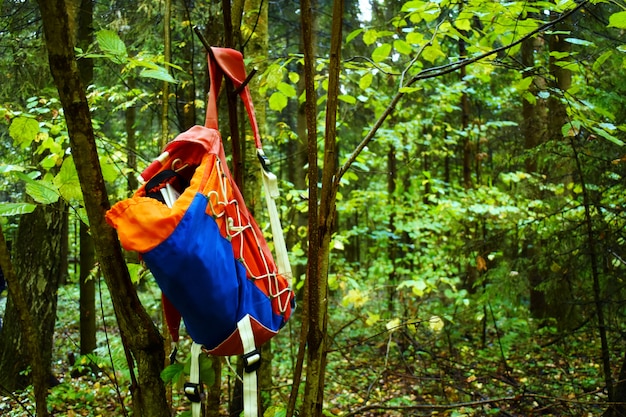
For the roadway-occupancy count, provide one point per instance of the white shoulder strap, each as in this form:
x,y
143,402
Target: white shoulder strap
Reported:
x,y
252,361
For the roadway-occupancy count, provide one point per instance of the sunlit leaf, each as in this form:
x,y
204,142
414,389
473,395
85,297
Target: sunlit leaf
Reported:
x,y
110,43
381,53
436,323
24,131
606,135
41,191
618,20
402,47
15,209
366,80
287,89
278,101
370,36
67,181
353,35
577,41
347,99
432,53
158,74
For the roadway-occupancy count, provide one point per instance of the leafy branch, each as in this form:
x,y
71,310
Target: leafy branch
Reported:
x,y
437,72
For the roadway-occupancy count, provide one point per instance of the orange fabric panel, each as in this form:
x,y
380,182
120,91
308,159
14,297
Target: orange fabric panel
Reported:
x,y
142,223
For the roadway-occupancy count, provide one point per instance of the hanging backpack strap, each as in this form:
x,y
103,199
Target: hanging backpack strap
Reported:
x,y
193,388
229,63
223,62
251,363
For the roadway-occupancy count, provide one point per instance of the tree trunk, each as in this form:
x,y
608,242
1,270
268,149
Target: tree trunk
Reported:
x,y
138,332
167,57
321,225
39,368
534,130
38,268
131,142
87,252
87,292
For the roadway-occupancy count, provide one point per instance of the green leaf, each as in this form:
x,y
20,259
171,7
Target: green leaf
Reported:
x,y
408,90
275,411
23,130
274,75
463,24
366,80
402,47
432,52
618,20
67,181
381,53
278,101
353,35
111,44
10,168
523,84
577,41
207,375
414,38
287,89
14,209
294,77
158,74
347,98
601,60
606,135
370,36
41,191
172,373
109,171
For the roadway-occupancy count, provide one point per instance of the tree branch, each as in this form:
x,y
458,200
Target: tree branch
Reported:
x,y
439,71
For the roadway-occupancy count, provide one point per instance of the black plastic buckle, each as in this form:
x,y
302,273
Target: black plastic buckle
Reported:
x,y
173,354
265,162
194,392
252,361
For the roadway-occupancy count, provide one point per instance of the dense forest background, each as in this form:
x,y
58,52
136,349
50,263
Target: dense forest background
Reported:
x,y
452,177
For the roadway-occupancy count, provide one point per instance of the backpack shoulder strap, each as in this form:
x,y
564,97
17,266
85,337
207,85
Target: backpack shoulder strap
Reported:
x,y
229,62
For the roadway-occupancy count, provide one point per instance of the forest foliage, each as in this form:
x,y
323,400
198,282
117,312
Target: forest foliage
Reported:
x,y
477,254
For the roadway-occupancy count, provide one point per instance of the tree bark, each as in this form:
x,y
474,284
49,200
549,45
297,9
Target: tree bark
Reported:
x,y
87,292
38,271
167,57
138,332
319,244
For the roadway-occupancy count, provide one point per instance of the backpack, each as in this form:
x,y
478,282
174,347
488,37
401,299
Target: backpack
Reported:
x,y
191,226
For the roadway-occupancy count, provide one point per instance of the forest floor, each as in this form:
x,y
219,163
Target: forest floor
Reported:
x,y
409,371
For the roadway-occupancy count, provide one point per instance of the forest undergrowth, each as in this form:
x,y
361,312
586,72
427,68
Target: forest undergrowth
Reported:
x,y
413,368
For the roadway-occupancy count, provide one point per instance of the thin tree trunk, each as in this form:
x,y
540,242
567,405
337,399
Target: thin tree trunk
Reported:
x,y
319,245
33,281
392,172
534,130
87,292
311,300
138,331
87,286
167,57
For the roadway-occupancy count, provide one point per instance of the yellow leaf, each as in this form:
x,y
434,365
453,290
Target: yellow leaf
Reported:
x,y
436,323
393,324
481,264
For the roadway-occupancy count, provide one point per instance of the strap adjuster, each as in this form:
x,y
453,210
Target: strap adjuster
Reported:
x,y
194,392
265,162
251,361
